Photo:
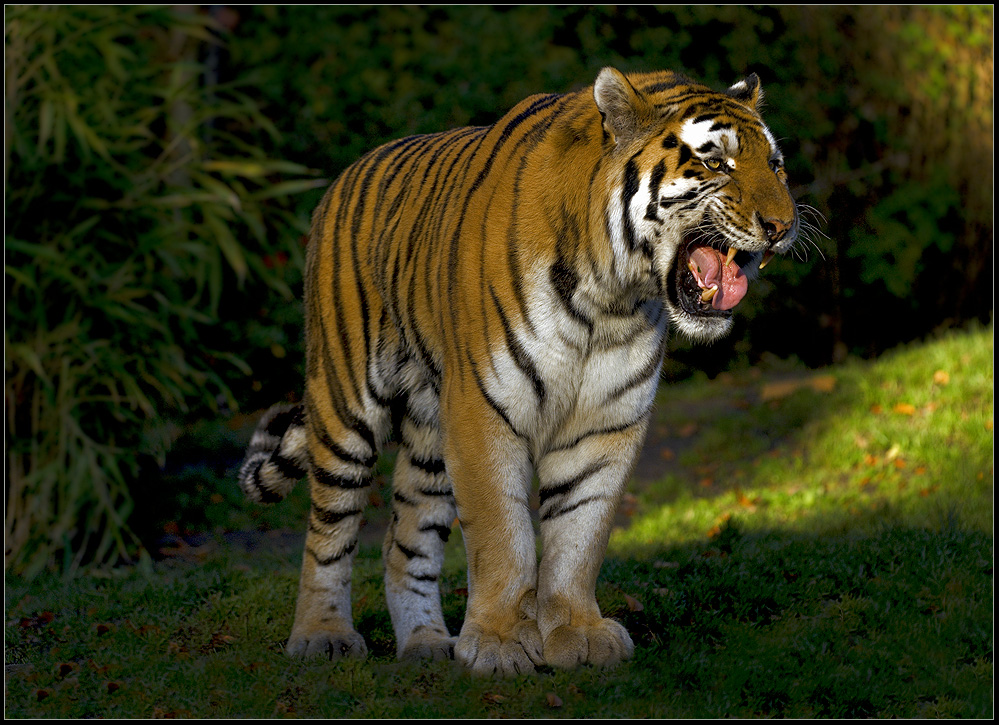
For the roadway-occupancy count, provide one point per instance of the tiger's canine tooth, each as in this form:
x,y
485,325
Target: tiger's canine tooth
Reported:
x,y
730,256
708,294
767,256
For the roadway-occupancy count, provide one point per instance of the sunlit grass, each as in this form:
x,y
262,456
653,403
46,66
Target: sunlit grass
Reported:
x,y
906,440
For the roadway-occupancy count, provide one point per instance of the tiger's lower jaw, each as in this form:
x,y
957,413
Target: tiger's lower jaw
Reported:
x,y
690,308
702,287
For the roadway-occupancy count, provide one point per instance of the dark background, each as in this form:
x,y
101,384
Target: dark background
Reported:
x,y
161,165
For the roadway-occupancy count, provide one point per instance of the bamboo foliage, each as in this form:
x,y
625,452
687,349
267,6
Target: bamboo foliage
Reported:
x,y
138,202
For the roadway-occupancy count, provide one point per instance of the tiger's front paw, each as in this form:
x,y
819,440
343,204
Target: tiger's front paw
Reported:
x,y
331,644
604,643
485,651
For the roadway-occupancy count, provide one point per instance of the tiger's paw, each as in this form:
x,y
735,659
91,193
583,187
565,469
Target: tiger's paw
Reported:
x,y
488,652
325,643
605,643
425,643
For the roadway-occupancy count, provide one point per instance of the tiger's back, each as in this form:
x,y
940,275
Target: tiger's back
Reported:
x,y
507,291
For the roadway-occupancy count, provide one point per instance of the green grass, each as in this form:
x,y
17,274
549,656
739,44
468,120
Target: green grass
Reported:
x,y
821,549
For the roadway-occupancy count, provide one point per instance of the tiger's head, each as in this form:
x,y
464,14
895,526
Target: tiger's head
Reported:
x,y
700,189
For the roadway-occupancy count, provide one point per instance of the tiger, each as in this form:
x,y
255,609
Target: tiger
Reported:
x,y
497,300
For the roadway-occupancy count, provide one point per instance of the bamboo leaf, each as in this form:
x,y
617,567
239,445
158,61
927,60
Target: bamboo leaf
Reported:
x,y
289,188
219,231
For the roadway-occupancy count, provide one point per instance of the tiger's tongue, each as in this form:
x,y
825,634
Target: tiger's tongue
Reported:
x,y
710,271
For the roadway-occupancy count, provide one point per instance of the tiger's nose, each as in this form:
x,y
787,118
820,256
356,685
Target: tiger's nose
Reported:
x,y
775,229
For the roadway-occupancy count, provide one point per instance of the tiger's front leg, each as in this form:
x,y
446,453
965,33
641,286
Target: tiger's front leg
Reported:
x,y
580,487
490,472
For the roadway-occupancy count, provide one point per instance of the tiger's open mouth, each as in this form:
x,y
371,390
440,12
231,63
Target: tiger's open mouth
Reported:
x,y
709,280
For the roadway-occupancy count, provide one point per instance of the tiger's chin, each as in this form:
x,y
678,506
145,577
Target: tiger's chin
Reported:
x,y
704,284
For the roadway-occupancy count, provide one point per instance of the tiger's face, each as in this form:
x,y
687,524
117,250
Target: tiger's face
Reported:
x,y
703,190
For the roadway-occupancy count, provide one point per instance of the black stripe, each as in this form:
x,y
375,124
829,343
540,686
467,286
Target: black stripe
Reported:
x,y
330,518
565,487
287,467
431,492
520,356
409,553
686,196
601,431
444,532
342,453
489,399
655,181
564,279
332,559
399,498
685,155
266,494
628,191
650,369
553,513
678,79
280,423
332,480
433,466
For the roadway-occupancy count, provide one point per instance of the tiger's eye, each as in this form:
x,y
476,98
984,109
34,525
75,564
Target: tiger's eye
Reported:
x,y
713,164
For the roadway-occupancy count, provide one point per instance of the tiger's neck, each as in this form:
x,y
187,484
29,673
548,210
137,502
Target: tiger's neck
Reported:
x,y
580,186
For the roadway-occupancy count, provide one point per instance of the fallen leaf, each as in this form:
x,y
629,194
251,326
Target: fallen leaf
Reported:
x,y
65,668
823,383
941,377
784,388
904,409
667,454
633,604
688,430
492,698
553,700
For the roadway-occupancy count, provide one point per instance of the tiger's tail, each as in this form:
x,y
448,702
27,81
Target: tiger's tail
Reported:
x,y
277,457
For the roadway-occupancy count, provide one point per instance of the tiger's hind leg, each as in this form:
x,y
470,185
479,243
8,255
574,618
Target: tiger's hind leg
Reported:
x,y
413,552
339,480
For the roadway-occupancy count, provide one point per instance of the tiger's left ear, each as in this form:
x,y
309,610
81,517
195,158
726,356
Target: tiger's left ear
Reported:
x,y
748,91
622,107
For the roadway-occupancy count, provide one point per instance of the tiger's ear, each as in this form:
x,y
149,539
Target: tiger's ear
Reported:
x,y
621,106
748,91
